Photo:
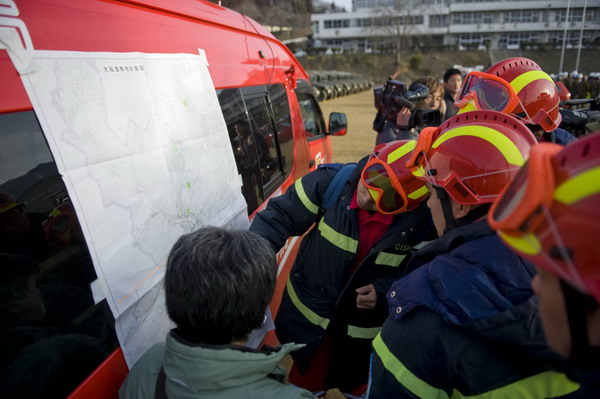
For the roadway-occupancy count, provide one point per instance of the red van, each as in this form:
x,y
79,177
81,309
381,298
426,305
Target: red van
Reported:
x,y
58,336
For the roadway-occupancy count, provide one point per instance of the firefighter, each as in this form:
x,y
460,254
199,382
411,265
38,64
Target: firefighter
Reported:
x,y
517,86
550,216
463,320
334,300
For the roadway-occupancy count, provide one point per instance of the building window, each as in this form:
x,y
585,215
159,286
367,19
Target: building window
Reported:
x,y
337,23
437,21
470,18
522,16
575,15
364,22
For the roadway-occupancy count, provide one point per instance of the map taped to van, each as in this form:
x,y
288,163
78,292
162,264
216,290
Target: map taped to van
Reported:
x,y
130,133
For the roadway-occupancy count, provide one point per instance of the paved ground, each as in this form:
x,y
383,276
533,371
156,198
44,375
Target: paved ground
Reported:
x,y
360,139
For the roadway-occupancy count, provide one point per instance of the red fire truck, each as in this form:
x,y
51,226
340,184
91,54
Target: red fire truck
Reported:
x,y
57,340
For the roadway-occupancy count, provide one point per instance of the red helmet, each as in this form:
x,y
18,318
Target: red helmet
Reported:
x,y
472,156
537,92
393,187
550,213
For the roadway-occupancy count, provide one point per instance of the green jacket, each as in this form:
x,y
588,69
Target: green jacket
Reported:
x,y
210,372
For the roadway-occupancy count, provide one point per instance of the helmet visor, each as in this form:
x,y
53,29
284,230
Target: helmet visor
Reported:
x,y
489,92
384,188
519,206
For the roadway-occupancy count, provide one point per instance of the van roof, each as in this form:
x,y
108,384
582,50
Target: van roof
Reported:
x,y
240,52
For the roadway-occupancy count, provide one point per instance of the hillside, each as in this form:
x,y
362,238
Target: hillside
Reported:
x,y
378,67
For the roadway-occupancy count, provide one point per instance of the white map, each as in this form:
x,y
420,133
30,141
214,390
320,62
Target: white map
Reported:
x,y
143,148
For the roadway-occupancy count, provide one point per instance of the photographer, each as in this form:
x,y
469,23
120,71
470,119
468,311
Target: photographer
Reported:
x,y
402,114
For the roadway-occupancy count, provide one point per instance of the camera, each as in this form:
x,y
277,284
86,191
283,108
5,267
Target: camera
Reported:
x,y
581,121
394,95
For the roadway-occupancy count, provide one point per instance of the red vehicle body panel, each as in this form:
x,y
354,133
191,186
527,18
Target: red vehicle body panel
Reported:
x,y
239,51
563,93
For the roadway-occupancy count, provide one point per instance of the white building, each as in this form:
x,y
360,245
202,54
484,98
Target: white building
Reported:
x,y
379,25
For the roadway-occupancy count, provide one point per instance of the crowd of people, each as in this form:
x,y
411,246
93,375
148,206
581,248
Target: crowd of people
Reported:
x,y
456,260
580,85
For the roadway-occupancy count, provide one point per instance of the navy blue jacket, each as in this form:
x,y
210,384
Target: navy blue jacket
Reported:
x,y
320,293
464,322
559,136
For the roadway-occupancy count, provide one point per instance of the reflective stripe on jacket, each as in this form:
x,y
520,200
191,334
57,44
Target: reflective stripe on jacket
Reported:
x,y
464,323
320,291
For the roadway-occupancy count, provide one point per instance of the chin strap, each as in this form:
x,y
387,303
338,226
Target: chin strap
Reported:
x,y
583,356
446,208
451,222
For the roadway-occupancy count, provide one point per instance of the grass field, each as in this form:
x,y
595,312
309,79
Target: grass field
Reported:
x,y
360,139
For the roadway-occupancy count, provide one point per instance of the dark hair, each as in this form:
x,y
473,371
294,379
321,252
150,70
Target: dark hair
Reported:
x,y
451,72
218,284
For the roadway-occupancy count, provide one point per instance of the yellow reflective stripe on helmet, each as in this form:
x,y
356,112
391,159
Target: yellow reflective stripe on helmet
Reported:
x,y
548,384
374,194
404,376
500,141
528,243
468,107
418,193
338,239
579,187
306,312
402,151
419,172
304,198
388,259
524,79
363,332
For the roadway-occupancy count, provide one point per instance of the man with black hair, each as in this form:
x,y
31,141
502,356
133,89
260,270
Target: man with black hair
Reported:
x,y
452,84
218,283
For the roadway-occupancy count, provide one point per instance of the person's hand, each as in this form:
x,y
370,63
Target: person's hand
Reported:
x,y
367,297
402,118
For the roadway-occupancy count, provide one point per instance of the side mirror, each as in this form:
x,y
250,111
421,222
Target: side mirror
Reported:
x,y
338,124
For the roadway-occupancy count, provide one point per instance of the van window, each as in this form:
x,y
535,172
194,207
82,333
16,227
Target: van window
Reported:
x,y
311,115
246,158
264,140
283,123
259,125
53,335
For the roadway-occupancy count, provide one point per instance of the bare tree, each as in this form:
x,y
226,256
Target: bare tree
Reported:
x,y
395,23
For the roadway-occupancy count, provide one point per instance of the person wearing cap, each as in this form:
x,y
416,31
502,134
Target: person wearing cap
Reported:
x,y
550,216
462,321
334,301
518,87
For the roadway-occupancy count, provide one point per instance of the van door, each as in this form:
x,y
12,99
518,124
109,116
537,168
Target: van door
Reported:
x,y
319,143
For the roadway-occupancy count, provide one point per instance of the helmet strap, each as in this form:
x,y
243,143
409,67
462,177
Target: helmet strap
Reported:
x,y
577,304
444,199
451,222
